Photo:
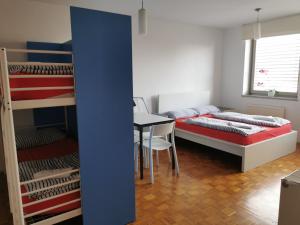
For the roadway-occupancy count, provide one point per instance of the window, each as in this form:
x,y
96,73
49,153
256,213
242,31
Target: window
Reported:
x,y
275,65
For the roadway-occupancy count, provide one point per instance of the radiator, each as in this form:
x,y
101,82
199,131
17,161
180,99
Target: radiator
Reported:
x,y
266,110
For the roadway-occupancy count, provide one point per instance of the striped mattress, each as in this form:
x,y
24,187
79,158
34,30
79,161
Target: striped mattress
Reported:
x,y
29,168
28,82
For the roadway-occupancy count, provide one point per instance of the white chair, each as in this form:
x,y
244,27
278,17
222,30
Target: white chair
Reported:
x,y
140,107
160,144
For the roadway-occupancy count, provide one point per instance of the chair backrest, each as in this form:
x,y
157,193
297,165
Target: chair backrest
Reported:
x,y
140,105
163,129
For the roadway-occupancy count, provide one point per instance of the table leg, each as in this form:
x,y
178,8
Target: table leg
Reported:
x,y
141,154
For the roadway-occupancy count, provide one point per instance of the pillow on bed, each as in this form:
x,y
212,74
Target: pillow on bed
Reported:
x,y
37,137
182,113
206,109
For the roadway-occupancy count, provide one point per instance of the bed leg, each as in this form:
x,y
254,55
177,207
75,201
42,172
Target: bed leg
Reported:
x,y
244,164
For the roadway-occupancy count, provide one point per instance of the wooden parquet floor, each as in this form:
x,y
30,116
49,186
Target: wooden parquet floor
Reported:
x,y
210,190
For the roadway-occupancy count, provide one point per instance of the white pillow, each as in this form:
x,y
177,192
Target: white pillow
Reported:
x,y
206,109
54,172
182,113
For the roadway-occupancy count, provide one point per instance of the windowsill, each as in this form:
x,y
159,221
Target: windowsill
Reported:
x,y
273,98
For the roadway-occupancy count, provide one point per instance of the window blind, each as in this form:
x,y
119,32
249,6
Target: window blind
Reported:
x,y
277,62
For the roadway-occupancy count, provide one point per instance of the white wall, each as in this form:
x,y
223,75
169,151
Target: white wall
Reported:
x,y
176,57
22,20
232,80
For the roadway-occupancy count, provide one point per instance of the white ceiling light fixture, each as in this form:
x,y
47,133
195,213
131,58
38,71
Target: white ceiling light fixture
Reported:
x,y
143,23
257,26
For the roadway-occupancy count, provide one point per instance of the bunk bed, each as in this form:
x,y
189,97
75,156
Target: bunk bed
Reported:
x,y
59,158
47,198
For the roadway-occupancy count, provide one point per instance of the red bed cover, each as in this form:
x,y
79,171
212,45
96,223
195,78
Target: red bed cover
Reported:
x,y
59,84
270,132
59,148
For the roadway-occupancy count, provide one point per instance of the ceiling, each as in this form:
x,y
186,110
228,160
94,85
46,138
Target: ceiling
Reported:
x,y
215,13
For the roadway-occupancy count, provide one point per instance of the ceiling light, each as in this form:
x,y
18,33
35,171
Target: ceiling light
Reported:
x,y
143,23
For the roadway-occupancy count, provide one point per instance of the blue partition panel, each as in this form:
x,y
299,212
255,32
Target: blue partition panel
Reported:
x,y
103,71
45,116
72,122
33,57
49,116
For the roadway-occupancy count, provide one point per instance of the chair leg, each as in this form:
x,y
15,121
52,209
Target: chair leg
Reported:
x,y
145,163
176,159
151,166
146,158
169,155
157,158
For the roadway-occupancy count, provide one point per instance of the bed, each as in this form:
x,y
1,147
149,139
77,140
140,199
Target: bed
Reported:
x,y
43,81
254,151
29,82
51,201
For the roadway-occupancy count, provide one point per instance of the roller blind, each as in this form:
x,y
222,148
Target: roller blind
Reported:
x,y
277,62
280,26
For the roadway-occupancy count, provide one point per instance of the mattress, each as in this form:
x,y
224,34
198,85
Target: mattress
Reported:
x,y
28,82
269,133
40,87
56,149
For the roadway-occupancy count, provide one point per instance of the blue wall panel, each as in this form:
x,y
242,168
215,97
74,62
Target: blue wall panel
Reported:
x,y
72,121
53,115
33,57
48,116
103,67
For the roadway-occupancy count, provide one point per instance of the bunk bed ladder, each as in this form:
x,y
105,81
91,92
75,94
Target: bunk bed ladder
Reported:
x,y
10,145
3,128
17,208
7,158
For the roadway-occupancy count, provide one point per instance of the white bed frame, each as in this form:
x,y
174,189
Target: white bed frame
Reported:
x,y
253,155
7,106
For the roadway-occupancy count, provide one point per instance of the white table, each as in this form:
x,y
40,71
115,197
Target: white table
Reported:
x,y
142,120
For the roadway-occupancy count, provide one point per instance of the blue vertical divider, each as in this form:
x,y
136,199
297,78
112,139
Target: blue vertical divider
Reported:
x,y
102,49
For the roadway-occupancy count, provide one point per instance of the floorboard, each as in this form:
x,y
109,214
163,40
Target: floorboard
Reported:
x,y
210,190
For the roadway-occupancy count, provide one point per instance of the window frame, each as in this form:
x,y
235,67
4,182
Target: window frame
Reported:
x,y
252,73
